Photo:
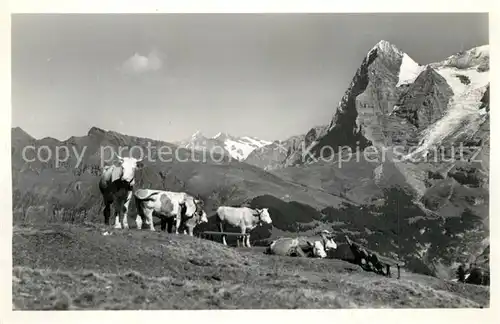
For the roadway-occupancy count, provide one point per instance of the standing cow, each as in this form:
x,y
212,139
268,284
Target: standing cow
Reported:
x,y
170,207
243,217
116,186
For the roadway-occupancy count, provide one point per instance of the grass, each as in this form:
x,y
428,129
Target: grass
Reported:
x,y
76,267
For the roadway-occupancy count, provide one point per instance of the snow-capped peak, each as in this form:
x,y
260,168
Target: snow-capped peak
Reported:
x,y
238,147
197,134
483,50
241,147
386,46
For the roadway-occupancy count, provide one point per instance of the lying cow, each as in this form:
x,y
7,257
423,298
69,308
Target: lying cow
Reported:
x,y
324,237
370,261
474,275
243,217
293,247
170,207
478,276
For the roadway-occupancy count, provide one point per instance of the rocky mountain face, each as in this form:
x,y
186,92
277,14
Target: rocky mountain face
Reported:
x,y
423,129
235,147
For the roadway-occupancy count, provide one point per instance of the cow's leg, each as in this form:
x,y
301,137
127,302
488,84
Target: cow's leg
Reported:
x,y
300,252
399,271
170,225
118,225
163,224
178,222
126,203
388,270
190,230
221,229
107,212
140,218
138,221
243,236
248,240
148,215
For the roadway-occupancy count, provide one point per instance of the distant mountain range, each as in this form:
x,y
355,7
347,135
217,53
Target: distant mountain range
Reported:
x,y
236,147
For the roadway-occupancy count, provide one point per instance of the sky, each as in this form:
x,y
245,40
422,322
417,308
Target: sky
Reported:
x,y
166,76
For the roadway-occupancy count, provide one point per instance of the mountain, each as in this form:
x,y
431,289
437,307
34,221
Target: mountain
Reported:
x,y
236,147
420,116
421,131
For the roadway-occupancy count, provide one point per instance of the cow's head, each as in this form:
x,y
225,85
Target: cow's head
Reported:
x,y
128,166
328,242
194,207
318,249
264,216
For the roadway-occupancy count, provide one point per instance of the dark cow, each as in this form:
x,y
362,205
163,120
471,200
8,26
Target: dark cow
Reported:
x,y
116,185
473,275
371,261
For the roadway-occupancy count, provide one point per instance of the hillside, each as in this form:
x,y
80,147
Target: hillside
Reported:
x,y
45,192
143,270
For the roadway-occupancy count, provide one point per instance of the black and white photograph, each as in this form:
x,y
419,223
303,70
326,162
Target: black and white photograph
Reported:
x,y
213,161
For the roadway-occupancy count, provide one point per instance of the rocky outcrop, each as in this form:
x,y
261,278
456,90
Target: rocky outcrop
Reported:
x,y
425,100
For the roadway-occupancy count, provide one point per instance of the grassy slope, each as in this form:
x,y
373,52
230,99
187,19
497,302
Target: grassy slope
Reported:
x,y
65,266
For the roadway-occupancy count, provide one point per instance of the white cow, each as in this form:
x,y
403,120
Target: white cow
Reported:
x,y
243,217
116,186
302,246
169,206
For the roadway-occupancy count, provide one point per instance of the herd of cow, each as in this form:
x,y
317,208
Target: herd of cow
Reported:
x,y
183,211
176,210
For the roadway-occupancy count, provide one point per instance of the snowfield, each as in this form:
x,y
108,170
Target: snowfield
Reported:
x,y
468,86
409,70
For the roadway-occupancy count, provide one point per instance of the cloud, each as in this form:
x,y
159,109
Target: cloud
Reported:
x,y
137,63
